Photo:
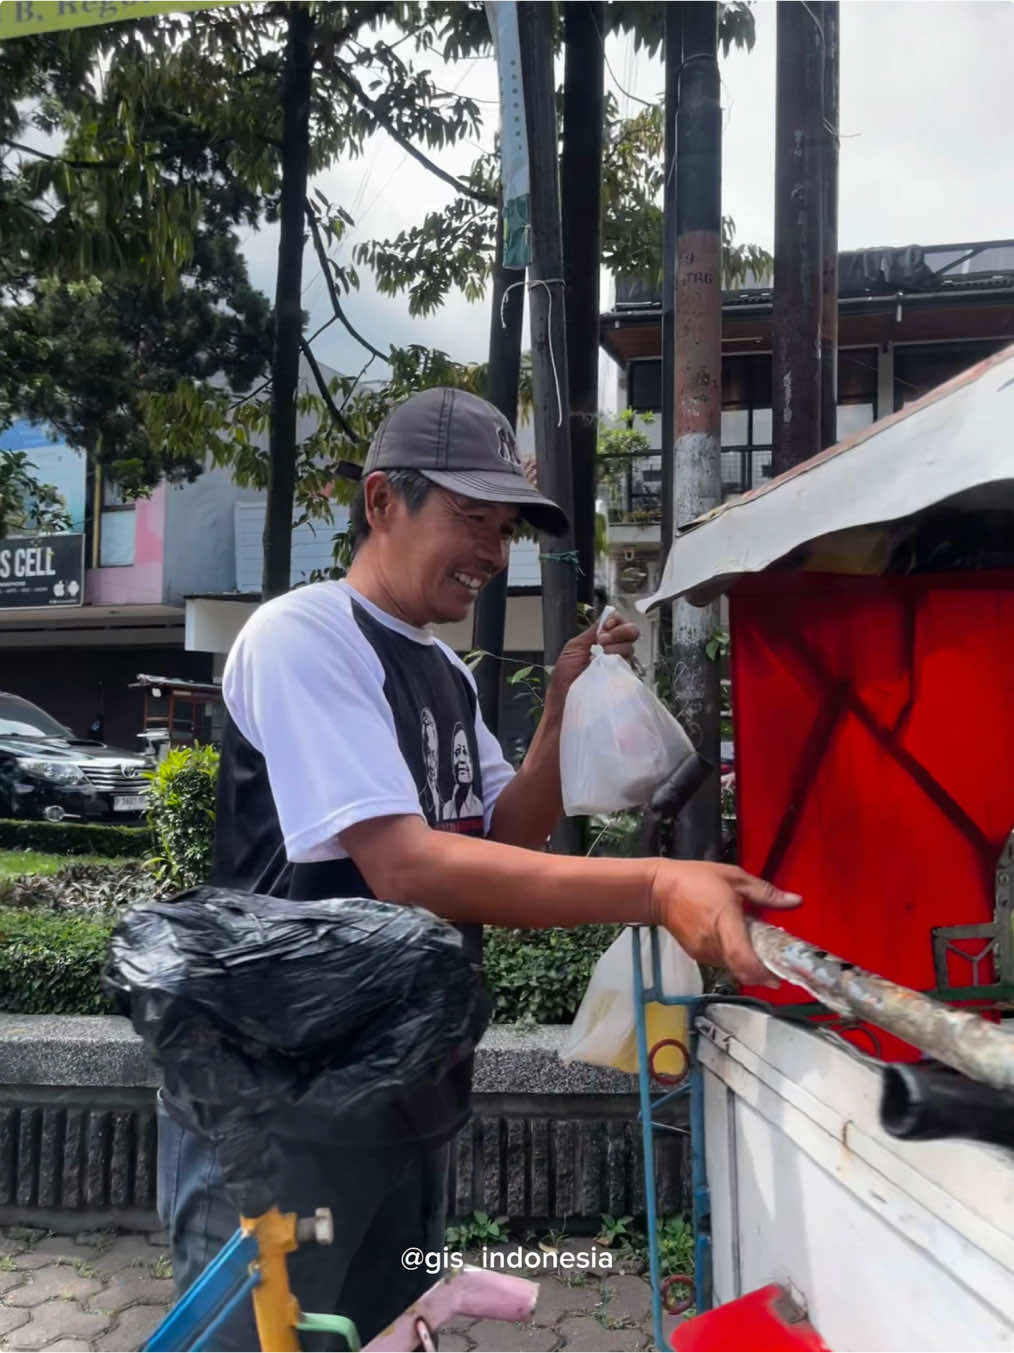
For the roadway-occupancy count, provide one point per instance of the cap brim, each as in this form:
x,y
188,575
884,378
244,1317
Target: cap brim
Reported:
x,y
491,486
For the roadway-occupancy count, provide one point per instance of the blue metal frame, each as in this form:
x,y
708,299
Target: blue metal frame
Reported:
x,y
694,1086
210,1299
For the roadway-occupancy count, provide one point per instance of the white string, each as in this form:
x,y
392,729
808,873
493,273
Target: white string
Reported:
x,y
539,282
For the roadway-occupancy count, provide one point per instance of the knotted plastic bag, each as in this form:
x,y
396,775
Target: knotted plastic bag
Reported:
x,y
618,742
295,1019
604,1031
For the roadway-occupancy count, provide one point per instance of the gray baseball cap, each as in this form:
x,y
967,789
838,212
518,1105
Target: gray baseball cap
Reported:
x,y
464,444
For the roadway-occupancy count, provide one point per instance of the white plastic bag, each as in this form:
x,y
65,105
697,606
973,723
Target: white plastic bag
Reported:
x,y
604,1031
618,741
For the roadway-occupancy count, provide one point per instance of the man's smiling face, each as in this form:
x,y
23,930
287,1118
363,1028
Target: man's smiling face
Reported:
x,y
444,554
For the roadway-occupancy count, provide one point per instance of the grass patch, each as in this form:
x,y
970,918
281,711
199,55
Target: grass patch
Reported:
x,y
14,863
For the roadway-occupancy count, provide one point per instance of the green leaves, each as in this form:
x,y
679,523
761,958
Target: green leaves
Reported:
x,y
540,976
181,814
25,503
717,646
73,838
632,183
477,1229
50,964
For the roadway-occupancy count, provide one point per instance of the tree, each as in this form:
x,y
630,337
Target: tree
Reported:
x,y
25,503
118,278
122,266
453,247
185,136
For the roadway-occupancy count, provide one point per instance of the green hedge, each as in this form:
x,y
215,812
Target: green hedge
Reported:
x,y
75,838
539,976
50,964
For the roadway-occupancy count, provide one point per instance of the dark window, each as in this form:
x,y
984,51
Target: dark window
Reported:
x,y
923,366
644,385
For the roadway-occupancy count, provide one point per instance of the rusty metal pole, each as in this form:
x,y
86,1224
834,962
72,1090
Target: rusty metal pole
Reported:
x,y
828,14
673,50
963,1040
799,135
698,399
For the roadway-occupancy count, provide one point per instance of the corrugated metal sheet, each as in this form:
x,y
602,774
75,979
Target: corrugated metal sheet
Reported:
x,y
311,546
952,442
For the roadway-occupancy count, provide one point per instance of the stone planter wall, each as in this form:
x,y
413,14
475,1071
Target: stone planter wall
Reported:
x,y
550,1142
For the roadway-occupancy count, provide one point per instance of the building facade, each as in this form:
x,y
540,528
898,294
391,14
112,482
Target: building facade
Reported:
x,y
909,319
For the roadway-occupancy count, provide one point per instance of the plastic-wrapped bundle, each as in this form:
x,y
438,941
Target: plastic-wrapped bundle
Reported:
x,y
272,1016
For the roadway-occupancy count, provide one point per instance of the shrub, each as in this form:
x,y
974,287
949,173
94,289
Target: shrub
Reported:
x,y
97,889
74,838
541,975
181,813
50,964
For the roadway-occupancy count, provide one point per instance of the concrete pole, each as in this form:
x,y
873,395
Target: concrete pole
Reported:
x,y
799,137
698,398
828,14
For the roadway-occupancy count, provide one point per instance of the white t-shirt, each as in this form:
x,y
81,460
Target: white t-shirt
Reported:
x,y
350,714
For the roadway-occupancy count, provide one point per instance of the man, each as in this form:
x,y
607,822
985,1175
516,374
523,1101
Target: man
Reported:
x,y
341,704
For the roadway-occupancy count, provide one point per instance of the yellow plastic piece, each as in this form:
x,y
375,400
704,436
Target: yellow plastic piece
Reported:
x,y
660,1021
276,1310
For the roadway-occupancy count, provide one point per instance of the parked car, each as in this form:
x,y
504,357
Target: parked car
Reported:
x,y
47,772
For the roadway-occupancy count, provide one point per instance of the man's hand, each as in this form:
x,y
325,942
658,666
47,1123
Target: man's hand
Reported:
x,y
702,905
617,636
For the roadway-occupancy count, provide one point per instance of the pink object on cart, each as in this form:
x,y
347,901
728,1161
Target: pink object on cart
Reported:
x,y
467,1291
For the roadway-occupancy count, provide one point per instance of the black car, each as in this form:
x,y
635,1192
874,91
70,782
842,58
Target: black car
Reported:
x,y
47,772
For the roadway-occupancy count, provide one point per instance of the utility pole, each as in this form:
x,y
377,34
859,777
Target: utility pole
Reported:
x,y
504,376
672,51
799,257
547,308
547,313
297,77
581,177
698,397
673,55
827,11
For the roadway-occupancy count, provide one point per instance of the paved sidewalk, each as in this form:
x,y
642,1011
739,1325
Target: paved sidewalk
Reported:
x,y
103,1291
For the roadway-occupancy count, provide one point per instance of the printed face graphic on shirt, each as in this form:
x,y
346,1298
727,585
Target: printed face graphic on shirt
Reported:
x,y
429,795
430,746
461,758
464,805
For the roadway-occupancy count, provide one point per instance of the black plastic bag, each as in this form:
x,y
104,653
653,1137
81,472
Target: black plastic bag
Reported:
x,y
269,1016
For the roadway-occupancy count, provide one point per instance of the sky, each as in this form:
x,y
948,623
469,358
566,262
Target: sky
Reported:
x,y
927,111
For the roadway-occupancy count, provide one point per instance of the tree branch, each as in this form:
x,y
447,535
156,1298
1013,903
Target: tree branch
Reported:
x,y
318,244
59,159
351,83
348,469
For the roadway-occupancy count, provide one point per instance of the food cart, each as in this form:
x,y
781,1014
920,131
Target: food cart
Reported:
x,y
179,713
871,606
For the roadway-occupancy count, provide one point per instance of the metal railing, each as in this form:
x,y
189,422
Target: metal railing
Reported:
x,y
631,485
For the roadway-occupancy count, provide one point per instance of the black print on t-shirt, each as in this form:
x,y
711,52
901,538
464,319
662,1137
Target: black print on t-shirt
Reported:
x,y
463,803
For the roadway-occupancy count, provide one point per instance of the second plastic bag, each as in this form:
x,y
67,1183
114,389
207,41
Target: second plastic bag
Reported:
x,y
604,1031
618,741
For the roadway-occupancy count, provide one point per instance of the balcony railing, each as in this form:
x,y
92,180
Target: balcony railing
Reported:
x,y
631,485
